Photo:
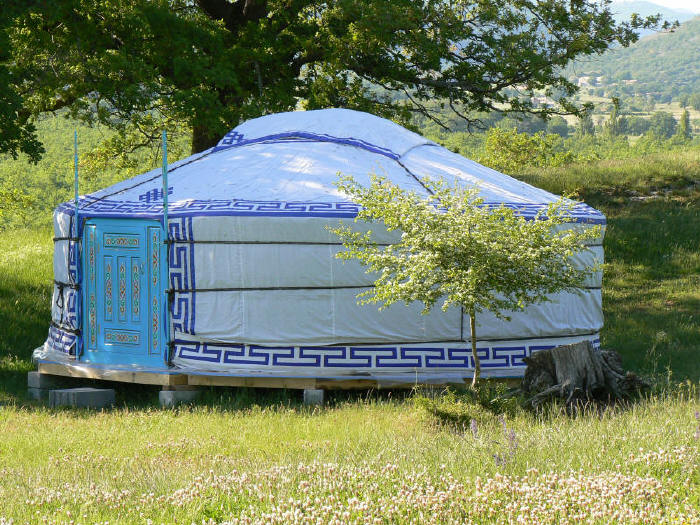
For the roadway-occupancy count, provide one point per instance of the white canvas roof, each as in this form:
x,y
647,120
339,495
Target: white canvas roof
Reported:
x,y
284,163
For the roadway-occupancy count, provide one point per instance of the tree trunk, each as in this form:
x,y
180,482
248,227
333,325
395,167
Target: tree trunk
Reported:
x,y
477,363
577,373
202,139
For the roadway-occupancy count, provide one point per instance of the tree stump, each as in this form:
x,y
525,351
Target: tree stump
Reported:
x,y
577,373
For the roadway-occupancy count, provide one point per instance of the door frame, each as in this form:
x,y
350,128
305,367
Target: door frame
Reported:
x,y
157,290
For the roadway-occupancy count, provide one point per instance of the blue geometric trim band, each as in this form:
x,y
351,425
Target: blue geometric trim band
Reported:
x,y
380,356
61,341
92,207
182,275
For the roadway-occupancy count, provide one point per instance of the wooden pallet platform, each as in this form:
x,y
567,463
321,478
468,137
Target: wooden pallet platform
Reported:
x,y
175,378
164,378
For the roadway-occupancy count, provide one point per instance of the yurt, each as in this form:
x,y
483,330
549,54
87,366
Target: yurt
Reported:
x,y
244,280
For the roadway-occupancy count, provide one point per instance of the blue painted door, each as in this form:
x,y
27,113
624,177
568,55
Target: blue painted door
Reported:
x,y
124,299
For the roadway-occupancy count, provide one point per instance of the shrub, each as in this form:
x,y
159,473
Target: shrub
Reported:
x,y
508,151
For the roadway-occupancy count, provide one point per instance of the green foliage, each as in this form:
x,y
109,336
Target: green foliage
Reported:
x,y
585,125
694,101
50,181
634,125
12,201
645,175
518,153
456,251
469,145
662,124
508,151
17,133
612,126
683,132
136,66
125,149
558,126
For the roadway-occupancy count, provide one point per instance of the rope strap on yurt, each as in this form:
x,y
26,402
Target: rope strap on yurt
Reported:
x,y
62,284
74,331
168,303
171,342
71,239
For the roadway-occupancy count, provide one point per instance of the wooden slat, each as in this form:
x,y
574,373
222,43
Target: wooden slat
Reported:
x,y
253,382
124,376
180,379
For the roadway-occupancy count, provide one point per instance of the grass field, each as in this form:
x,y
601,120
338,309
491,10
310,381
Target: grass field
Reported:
x,y
360,461
651,283
260,457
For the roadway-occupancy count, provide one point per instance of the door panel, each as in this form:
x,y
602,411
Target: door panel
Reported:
x,y
90,289
124,321
121,302
108,297
155,274
136,277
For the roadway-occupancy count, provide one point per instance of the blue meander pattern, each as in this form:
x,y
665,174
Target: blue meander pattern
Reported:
x,y
73,296
71,319
182,276
231,138
91,207
455,356
62,341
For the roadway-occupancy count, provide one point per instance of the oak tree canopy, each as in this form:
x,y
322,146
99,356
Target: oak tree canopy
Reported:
x,y
140,65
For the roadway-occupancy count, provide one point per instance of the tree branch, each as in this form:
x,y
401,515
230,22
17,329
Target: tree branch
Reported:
x,y
234,14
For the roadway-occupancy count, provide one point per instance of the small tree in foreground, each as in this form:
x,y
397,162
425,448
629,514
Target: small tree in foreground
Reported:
x,y
457,250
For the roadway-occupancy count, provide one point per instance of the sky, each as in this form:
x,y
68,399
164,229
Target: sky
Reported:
x,y
690,5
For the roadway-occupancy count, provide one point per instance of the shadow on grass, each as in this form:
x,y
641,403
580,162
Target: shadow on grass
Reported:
x,y
24,317
24,321
651,288
138,397
660,235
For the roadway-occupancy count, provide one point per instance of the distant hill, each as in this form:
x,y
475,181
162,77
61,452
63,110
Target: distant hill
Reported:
x,y
623,10
663,65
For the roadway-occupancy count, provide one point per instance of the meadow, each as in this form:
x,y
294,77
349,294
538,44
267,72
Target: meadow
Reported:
x,y
249,456
239,458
